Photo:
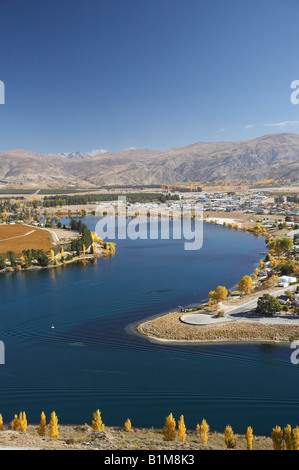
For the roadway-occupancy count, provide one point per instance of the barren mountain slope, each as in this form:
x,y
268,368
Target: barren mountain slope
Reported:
x,y
271,156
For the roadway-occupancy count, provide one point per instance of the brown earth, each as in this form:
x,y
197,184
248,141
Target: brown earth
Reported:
x,y
21,237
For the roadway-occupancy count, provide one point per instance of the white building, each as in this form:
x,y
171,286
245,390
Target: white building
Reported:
x,y
285,281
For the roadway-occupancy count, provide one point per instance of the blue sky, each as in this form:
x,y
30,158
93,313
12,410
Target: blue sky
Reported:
x,y
91,75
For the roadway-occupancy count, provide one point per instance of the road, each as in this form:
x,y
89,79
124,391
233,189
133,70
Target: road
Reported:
x,y
243,312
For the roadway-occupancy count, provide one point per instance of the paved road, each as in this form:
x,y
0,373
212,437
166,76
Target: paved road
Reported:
x,y
244,312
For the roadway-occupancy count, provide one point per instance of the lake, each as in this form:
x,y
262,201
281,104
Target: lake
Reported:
x,y
90,361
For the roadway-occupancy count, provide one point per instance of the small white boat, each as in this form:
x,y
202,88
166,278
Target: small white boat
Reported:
x,y
52,327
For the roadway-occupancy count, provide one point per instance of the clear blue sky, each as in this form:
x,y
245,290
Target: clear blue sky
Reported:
x,y
114,74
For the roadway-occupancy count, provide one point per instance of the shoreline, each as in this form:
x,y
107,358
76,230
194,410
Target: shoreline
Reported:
x,y
168,328
116,438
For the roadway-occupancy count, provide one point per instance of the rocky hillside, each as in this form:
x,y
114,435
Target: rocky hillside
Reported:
x,y
271,156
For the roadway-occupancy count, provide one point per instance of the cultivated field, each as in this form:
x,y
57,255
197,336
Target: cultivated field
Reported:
x,y
21,237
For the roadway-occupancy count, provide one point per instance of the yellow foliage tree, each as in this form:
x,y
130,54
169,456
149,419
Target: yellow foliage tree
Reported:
x,y
296,438
229,438
128,425
22,422
1,422
212,297
276,435
97,423
204,430
245,285
15,423
42,425
249,437
53,425
169,431
288,437
220,293
52,255
181,429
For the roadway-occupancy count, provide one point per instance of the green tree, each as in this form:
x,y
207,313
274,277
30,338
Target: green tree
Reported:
x,y
268,305
12,258
2,262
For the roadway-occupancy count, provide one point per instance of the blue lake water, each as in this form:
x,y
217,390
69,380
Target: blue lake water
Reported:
x,y
90,361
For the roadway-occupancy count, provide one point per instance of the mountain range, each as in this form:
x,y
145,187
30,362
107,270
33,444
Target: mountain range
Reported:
x,y
273,156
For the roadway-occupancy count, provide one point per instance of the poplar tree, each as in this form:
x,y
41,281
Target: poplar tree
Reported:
x,y
249,437
229,438
169,431
181,429
128,425
204,430
276,435
296,438
22,422
288,437
53,425
97,423
42,425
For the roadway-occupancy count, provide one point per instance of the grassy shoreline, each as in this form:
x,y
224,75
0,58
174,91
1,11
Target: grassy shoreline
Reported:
x,y
81,437
169,328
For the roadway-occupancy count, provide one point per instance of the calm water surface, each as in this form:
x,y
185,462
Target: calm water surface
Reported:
x,y
90,361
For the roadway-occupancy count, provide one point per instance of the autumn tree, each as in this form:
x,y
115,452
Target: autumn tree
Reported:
x,y
245,285
128,425
273,280
42,425
169,431
181,429
249,437
212,297
229,438
20,423
204,432
15,423
276,435
221,293
53,425
288,437
97,423
295,440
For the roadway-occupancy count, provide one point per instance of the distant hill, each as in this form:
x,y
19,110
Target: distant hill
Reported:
x,y
271,156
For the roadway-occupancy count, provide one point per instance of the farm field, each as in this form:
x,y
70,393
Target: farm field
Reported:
x,y
23,237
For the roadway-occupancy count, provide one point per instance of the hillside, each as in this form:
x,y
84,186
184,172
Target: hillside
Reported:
x,y
271,156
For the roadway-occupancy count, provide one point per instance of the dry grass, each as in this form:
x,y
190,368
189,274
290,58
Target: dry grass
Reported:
x,y
170,328
82,438
14,238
